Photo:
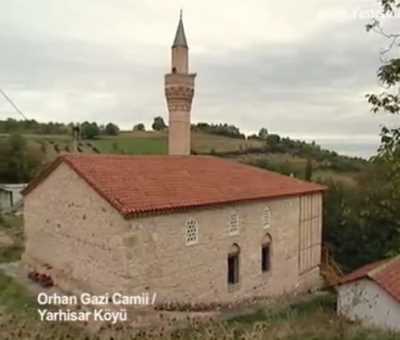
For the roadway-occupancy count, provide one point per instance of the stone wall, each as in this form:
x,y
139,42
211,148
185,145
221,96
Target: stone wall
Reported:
x,y
198,272
74,234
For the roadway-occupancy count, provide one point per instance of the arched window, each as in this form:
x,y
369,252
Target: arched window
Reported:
x,y
233,265
191,231
233,224
266,217
266,247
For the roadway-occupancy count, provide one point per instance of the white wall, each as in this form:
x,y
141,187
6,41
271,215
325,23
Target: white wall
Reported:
x,y
15,191
5,200
365,301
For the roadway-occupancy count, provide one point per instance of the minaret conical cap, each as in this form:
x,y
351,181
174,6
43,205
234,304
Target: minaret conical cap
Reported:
x,y
180,38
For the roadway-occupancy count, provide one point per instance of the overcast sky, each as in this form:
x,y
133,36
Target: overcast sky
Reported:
x,y
299,68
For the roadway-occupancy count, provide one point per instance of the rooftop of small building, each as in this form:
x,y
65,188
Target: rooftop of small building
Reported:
x,y
385,273
13,186
135,185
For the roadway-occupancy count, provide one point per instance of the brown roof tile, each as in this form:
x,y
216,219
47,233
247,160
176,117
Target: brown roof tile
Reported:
x,y
142,184
385,273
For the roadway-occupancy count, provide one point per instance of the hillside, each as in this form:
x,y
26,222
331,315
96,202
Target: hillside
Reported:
x,y
288,158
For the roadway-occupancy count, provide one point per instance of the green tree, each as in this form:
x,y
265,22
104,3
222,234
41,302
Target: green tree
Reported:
x,y
139,127
158,124
89,130
362,223
388,100
308,170
18,162
111,129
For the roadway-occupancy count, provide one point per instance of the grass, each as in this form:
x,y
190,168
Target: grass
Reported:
x,y
157,143
282,310
313,318
15,298
11,254
19,317
132,146
11,226
207,143
347,179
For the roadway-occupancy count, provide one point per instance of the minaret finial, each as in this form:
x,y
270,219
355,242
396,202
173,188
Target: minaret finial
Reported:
x,y
180,38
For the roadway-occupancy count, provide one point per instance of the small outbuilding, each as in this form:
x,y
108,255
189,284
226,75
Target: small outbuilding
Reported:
x,y
10,196
371,295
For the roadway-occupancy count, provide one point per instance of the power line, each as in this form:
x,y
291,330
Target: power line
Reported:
x,y
10,101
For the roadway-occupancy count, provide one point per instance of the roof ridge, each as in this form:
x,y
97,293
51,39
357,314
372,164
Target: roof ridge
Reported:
x,y
382,266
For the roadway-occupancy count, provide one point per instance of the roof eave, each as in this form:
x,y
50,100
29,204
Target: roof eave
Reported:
x,y
169,210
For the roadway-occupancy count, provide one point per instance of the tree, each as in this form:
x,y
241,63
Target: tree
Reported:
x,y
263,133
139,127
158,124
273,140
222,129
308,170
388,100
363,223
111,129
18,162
89,130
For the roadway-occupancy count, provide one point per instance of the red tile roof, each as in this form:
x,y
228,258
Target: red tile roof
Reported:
x,y
385,273
149,184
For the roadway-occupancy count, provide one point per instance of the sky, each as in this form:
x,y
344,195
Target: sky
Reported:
x,y
300,69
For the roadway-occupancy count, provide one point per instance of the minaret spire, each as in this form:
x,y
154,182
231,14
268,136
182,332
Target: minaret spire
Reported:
x,y
180,37
179,91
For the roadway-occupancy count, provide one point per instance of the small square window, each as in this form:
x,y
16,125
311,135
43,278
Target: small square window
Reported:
x,y
192,232
266,218
233,226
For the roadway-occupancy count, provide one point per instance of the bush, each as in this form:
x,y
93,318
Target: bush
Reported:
x,y
139,127
89,130
158,124
18,161
111,129
221,129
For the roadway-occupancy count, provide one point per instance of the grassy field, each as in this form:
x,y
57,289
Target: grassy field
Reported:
x,y
133,145
347,178
207,143
141,143
11,229
156,143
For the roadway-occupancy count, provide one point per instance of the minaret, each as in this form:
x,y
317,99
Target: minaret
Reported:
x,y
179,91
